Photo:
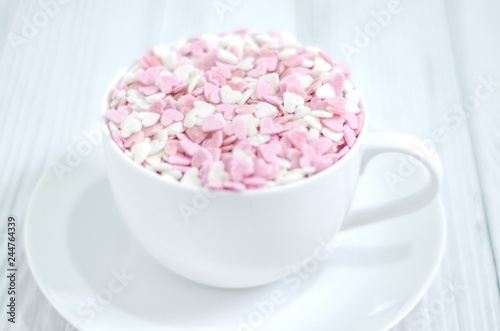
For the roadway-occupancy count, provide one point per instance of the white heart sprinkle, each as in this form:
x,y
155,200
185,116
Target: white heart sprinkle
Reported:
x,y
141,151
191,117
175,128
148,118
265,109
131,126
227,56
246,64
191,177
228,95
273,79
154,97
351,107
354,96
292,101
314,122
325,91
204,109
335,136
184,72
321,113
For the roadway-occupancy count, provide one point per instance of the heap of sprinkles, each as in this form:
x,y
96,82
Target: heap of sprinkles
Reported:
x,y
235,111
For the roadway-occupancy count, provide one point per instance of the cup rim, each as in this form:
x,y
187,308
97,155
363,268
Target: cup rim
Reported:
x,y
193,188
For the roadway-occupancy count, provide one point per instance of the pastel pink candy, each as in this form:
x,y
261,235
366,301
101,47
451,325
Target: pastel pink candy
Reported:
x,y
196,134
116,138
189,147
118,115
240,169
157,106
200,157
134,139
335,123
264,169
151,130
269,62
270,151
297,138
149,90
349,135
215,141
172,146
167,83
238,129
321,145
170,116
146,77
267,126
212,123
178,159
351,120
245,109
263,89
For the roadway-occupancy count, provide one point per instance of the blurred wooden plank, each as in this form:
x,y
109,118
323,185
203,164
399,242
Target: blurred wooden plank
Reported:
x,y
411,73
474,24
410,78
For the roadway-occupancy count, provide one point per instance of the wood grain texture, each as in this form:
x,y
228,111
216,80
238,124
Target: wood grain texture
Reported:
x,y
426,60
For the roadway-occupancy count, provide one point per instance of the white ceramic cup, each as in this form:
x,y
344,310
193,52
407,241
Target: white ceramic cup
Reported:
x,y
243,239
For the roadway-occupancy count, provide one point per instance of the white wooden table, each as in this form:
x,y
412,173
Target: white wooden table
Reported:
x,y
430,57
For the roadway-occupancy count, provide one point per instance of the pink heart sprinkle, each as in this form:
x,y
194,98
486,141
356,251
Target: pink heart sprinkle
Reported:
x,y
170,116
297,138
260,70
146,77
149,90
274,100
212,123
167,83
134,139
227,110
209,88
270,151
335,123
318,104
239,129
296,88
267,126
349,135
189,147
152,130
240,85
321,145
245,109
269,62
321,163
172,146
157,107
116,138
337,83
118,115
263,89
240,169
351,120
264,169
200,157
179,159
196,134
336,102
215,141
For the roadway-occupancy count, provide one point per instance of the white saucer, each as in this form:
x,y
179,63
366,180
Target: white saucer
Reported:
x,y
75,239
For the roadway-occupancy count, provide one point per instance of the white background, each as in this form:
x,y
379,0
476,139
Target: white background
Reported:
x,y
413,71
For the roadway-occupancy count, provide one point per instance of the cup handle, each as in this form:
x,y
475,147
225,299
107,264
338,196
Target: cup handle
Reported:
x,y
379,143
